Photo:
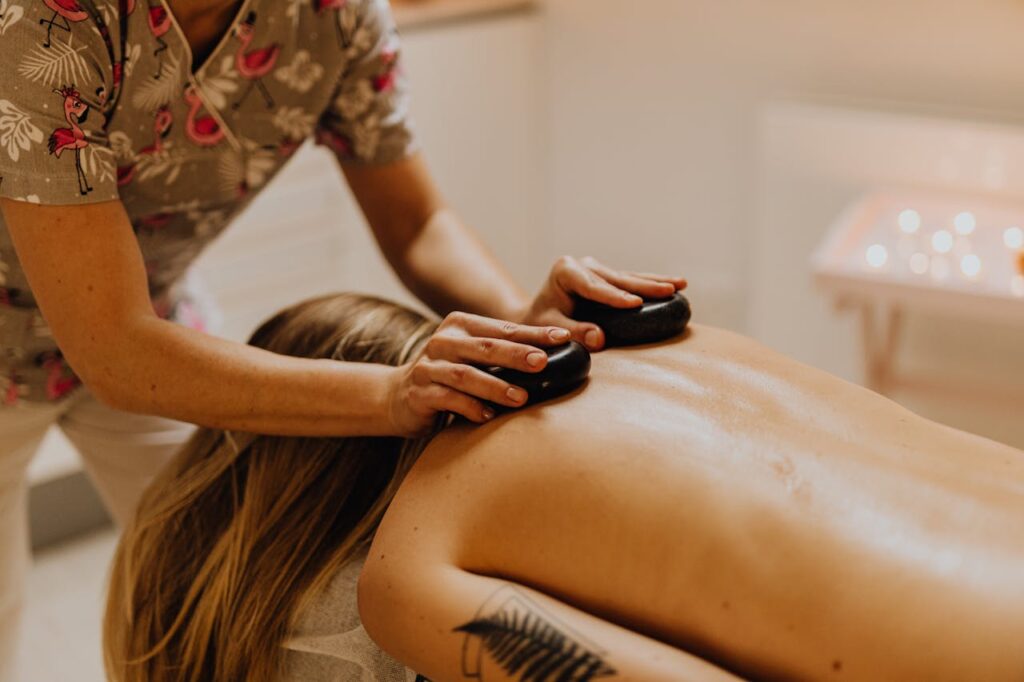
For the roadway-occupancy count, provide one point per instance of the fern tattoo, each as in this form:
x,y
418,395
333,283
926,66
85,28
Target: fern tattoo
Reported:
x,y
527,644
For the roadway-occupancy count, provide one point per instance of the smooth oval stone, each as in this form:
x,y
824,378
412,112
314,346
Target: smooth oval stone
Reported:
x,y
568,366
655,320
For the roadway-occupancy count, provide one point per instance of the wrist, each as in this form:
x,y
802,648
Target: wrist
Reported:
x,y
384,417
517,311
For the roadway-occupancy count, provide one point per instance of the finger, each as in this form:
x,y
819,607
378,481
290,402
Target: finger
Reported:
x,y
586,333
678,282
483,350
586,283
476,325
443,399
476,383
637,285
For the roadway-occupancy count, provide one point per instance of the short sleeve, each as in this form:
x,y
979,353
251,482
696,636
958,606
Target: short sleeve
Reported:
x,y
368,119
53,96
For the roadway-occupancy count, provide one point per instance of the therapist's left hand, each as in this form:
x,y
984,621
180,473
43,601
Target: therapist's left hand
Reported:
x,y
587,278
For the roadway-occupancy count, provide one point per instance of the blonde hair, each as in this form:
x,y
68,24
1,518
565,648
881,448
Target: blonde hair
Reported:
x,y
240,530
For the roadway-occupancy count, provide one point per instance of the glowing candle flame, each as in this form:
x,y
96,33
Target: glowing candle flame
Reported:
x,y
877,255
965,223
909,221
942,241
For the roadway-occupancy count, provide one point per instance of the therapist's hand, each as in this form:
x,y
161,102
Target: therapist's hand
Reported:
x,y
587,278
443,377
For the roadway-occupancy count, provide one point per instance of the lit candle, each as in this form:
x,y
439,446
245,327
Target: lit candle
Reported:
x,y
965,223
970,265
942,241
909,221
876,255
1013,237
919,263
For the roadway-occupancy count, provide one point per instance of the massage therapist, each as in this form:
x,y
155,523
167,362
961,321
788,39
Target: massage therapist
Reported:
x,y
132,132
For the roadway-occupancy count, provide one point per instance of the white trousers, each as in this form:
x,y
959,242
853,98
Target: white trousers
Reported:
x,y
121,452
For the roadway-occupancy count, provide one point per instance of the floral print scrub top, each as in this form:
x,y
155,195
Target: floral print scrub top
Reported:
x,y
98,101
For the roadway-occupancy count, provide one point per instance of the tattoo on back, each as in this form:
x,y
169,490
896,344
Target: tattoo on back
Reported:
x,y
513,634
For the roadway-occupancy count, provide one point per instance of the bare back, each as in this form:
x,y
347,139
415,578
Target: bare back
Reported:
x,y
736,504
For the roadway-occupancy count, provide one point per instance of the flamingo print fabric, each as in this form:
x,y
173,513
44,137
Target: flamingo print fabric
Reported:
x,y
100,100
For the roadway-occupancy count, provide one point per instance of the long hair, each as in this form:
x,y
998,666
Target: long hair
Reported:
x,y
238,530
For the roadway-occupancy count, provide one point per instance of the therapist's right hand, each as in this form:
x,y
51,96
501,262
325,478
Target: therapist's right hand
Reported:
x,y
445,375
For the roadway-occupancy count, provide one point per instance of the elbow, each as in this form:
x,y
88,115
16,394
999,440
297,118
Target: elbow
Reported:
x,y
104,382
108,391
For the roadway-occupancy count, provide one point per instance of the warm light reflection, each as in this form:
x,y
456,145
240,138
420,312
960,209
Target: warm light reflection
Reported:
x,y
965,223
919,263
942,241
1013,237
970,265
877,255
909,221
940,268
1017,285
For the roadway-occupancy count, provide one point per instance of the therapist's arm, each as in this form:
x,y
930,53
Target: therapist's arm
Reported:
x,y
445,264
438,258
86,271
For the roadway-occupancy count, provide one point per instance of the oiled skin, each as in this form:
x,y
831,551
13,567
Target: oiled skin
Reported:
x,y
724,499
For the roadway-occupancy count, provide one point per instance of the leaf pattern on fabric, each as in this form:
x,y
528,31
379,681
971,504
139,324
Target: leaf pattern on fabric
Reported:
x,y
59,64
208,223
17,132
243,173
218,88
131,58
355,99
366,135
302,74
122,145
293,10
9,15
154,93
295,122
98,162
166,162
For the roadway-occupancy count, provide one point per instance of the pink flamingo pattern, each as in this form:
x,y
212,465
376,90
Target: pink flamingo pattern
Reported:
x,y
59,379
162,123
71,11
159,20
256,63
72,137
200,127
385,82
322,6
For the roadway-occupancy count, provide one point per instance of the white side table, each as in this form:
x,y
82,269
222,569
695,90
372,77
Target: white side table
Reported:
x,y
895,252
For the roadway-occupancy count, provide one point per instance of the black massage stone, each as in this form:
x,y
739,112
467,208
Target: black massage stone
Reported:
x,y
655,320
567,368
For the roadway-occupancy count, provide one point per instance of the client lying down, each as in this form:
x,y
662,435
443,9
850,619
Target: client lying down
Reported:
x,y
701,509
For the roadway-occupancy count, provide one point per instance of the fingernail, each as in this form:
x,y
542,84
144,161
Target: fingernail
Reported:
x,y
516,395
559,334
488,414
592,338
535,359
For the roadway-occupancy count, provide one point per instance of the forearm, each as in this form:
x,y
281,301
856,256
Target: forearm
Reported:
x,y
452,625
449,268
157,367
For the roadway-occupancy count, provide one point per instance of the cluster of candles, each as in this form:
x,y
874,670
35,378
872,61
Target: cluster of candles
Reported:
x,y
945,252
